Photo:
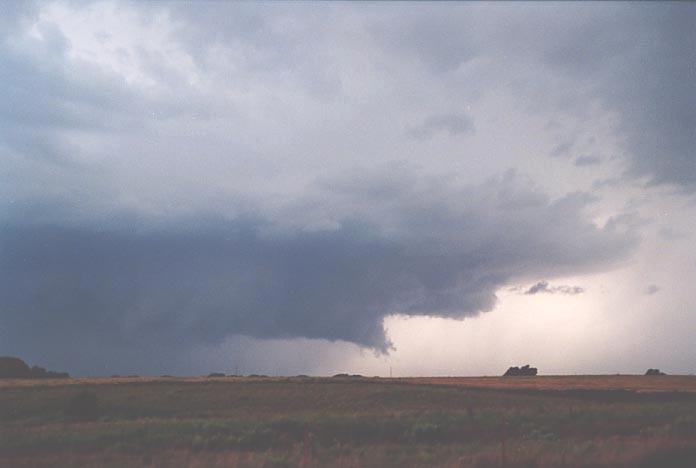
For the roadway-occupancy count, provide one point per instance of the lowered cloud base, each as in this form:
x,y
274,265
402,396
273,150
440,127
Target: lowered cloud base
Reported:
x,y
424,249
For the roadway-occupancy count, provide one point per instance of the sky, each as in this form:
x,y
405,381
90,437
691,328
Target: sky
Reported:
x,y
315,188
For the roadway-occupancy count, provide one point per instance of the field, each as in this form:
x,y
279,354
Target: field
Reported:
x,y
598,421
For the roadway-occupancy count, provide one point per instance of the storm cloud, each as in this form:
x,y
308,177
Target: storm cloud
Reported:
x,y
643,70
175,174
429,249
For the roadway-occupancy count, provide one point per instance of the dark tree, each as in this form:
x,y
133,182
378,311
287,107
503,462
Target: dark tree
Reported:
x,y
13,368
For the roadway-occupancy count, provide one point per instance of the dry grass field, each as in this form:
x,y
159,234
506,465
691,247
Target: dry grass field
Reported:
x,y
588,421
636,383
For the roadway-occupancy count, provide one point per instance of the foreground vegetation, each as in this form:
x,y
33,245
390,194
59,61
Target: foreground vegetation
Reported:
x,y
350,422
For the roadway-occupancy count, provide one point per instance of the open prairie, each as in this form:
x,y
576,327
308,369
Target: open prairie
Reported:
x,y
601,421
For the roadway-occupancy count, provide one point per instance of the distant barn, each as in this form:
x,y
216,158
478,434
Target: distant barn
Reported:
x,y
521,371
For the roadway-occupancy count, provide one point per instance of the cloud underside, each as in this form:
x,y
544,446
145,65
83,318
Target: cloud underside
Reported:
x,y
416,252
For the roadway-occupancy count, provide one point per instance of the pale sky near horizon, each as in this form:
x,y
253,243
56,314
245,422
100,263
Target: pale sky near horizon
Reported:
x,y
314,188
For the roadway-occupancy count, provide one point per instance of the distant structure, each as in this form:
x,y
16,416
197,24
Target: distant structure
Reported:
x,y
521,371
15,368
654,372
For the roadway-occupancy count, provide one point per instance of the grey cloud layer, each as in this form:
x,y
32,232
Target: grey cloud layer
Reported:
x,y
637,60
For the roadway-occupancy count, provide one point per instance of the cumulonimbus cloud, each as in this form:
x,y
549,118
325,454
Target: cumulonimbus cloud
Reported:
x,y
150,219
424,249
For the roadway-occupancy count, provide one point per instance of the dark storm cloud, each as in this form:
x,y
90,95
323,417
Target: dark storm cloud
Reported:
x,y
656,94
544,287
165,291
639,60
